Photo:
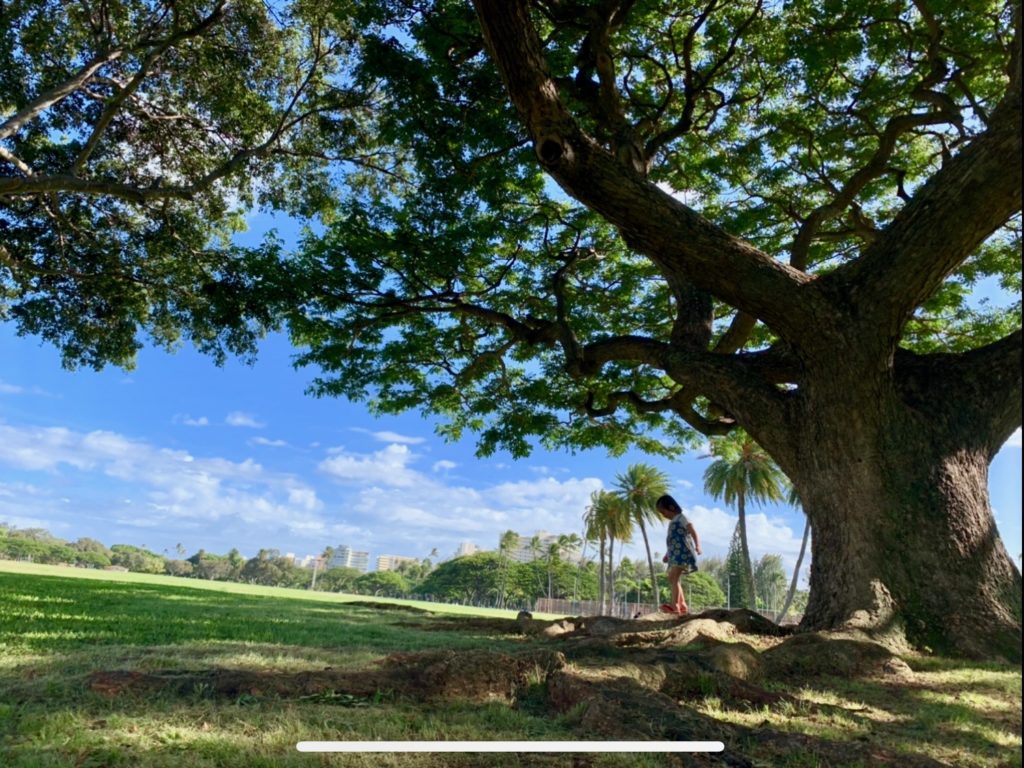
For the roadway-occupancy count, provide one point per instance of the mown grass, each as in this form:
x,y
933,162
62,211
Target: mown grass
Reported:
x,y
57,629
960,713
57,626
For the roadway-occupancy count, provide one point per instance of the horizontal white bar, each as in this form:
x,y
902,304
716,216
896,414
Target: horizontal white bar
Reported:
x,y
510,746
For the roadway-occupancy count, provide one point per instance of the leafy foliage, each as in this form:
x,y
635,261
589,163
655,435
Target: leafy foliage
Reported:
x,y
136,138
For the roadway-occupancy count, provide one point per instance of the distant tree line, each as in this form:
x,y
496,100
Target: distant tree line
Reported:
x,y
491,578
267,568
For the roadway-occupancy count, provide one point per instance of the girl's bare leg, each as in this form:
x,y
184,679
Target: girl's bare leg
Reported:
x,y
674,573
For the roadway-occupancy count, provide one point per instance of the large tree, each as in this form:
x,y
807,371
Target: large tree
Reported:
x,y
619,223
766,215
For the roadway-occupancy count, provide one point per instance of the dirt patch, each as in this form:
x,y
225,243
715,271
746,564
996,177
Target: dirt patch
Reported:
x,y
610,679
817,653
474,675
388,606
489,626
623,709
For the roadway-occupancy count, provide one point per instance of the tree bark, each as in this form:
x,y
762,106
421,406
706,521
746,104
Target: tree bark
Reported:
x,y
905,545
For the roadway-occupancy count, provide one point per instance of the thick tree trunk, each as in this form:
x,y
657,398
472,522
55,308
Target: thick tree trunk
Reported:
x,y
905,546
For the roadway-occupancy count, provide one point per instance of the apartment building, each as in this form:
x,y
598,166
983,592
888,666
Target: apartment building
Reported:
x,y
346,557
391,562
526,550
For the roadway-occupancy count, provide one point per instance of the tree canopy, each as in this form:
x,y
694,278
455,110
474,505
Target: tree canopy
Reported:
x,y
134,139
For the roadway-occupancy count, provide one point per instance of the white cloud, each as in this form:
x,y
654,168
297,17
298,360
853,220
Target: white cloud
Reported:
x,y
443,465
386,436
10,389
417,509
242,419
1014,440
269,443
168,487
386,466
189,421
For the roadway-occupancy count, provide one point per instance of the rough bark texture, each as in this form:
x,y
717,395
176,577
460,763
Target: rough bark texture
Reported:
x,y
905,545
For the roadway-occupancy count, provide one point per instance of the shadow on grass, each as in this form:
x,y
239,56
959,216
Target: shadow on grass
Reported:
x,y
918,719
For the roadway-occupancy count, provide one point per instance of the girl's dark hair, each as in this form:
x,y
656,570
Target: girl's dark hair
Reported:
x,y
668,503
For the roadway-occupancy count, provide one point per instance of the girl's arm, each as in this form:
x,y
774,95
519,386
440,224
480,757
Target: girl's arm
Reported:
x,y
693,533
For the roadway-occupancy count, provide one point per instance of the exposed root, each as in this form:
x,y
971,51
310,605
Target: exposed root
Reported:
x,y
819,653
629,680
474,675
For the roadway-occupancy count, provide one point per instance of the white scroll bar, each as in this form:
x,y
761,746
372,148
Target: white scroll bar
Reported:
x,y
510,746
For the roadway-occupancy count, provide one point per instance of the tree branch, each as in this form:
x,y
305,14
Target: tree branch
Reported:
x,y
44,101
114,104
651,221
679,403
947,218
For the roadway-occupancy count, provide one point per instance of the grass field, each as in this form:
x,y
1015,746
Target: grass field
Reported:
x,y
60,627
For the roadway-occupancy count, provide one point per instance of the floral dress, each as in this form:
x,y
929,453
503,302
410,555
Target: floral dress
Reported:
x,y
679,545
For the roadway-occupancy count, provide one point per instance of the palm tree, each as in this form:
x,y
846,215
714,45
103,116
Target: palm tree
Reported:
x,y
620,526
639,487
563,543
794,499
579,565
743,471
535,549
594,529
508,541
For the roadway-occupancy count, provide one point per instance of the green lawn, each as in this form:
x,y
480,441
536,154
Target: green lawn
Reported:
x,y
59,627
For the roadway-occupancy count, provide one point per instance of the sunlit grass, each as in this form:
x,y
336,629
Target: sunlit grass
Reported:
x,y
55,631
232,588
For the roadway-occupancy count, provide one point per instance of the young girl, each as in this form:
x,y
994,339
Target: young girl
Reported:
x,y
683,547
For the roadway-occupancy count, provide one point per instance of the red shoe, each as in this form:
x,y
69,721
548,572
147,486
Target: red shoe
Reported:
x,y
666,608
682,611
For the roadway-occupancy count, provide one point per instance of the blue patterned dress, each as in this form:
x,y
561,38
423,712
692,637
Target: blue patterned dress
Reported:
x,y
679,545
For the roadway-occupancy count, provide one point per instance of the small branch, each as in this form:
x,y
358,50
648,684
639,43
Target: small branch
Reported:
x,y
151,58
17,162
32,110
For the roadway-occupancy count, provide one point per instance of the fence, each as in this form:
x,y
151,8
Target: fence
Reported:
x,y
628,610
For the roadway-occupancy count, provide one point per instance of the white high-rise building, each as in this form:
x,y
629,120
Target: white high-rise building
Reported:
x,y
467,548
526,550
346,557
391,562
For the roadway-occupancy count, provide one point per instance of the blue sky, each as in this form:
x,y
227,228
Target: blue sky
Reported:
x,y
181,451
